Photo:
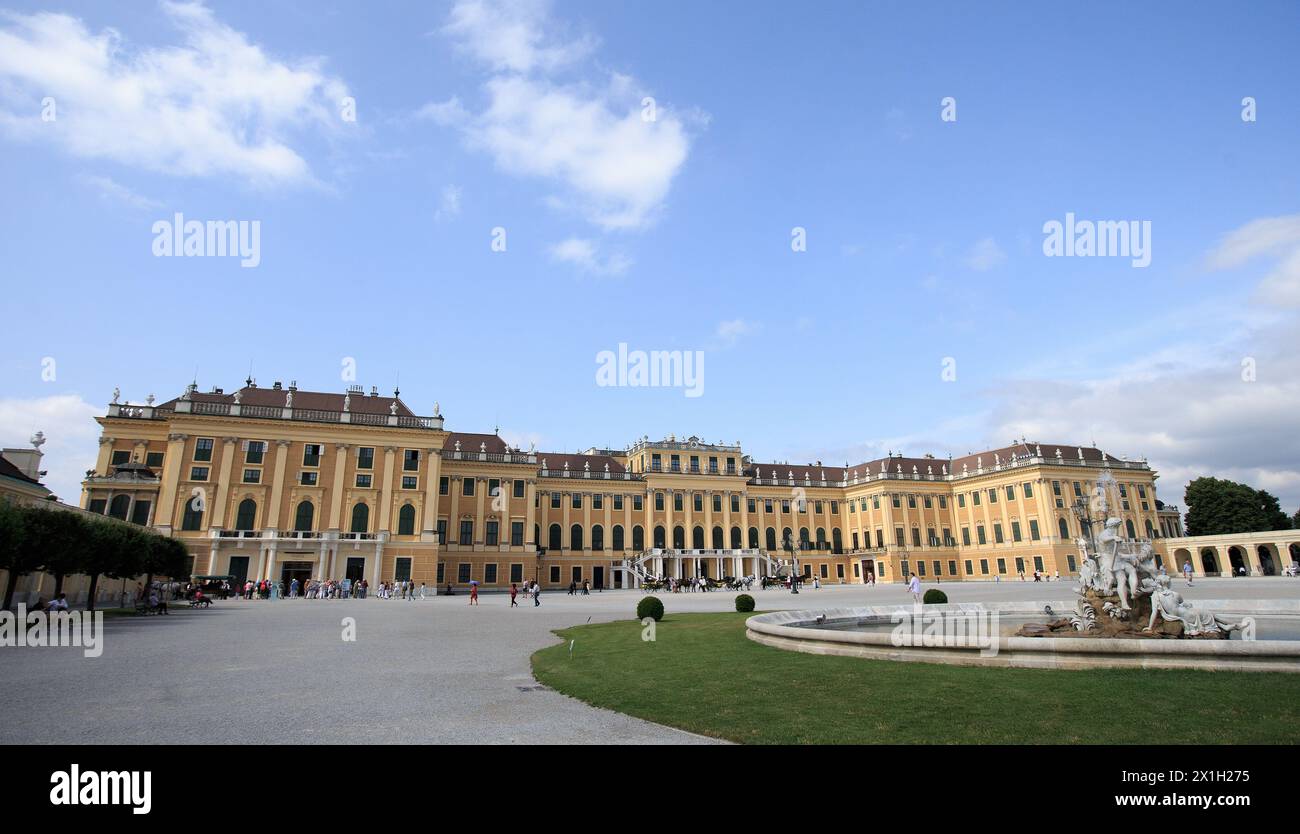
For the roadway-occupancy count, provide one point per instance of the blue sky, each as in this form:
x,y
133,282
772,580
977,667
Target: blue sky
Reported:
x,y
924,236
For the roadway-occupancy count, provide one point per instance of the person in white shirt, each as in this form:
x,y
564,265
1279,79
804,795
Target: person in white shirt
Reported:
x,y
914,585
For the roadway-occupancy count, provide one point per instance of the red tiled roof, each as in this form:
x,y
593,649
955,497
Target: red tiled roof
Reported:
x,y
470,442
555,462
311,400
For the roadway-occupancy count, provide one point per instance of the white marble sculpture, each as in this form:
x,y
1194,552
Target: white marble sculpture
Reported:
x,y
1167,604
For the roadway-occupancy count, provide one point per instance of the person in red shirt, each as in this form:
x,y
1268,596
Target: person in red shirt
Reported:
x,y
473,593
513,593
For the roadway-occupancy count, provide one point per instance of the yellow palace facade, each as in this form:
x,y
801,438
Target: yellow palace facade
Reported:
x,y
280,483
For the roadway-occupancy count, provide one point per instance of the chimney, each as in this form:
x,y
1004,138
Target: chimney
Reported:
x,y
374,390
276,386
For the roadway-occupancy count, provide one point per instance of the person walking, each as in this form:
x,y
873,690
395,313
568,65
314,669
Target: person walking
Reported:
x,y
514,592
537,594
1187,571
914,586
473,592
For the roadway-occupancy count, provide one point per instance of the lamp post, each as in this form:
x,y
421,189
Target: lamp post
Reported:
x,y
793,547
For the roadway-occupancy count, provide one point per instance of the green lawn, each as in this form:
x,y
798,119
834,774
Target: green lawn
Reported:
x,y
703,675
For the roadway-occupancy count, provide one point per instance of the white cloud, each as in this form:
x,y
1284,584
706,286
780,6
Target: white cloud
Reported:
x,y
71,437
730,331
985,255
449,207
585,254
112,191
216,104
513,35
1276,237
614,166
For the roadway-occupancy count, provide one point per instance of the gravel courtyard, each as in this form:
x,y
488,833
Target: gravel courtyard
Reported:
x,y
426,671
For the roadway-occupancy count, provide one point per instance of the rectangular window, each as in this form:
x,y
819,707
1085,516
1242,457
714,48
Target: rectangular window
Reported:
x,y
490,536
97,505
1029,489
311,453
824,570
410,460
943,502
555,574
920,567
555,500
489,574
462,572
896,503
975,498
254,450
153,460
308,478
997,533
122,456
517,572
598,501
363,481
467,486
494,487
1056,488
965,536
252,476
1038,563
961,499
410,482
618,502
717,503
140,513
518,488
444,485
467,532
203,448
637,503
1002,565
366,457
993,496
898,537
1011,492
751,505
677,502
1015,531
402,569
928,502
911,502
516,534
916,537
979,535
698,503
984,567
576,501
442,533
1033,529
577,574
835,507
198,473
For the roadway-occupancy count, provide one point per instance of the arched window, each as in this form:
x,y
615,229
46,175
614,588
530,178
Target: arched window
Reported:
x,y
302,521
597,537
406,520
1064,529
821,538
246,517
1128,526
192,519
787,538
638,538
804,542
837,540
119,506
554,534
660,542
679,538
753,538
771,538
361,518
1151,531
618,537
736,542
575,537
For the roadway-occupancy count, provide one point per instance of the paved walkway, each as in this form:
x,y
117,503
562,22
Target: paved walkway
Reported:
x,y
433,670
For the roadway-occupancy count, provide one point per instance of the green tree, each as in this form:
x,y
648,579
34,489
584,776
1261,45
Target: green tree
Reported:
x,y
15,555
1217,506
115,550
58,538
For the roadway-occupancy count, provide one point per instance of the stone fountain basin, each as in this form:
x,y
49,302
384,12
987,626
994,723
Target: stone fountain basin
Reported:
x,y
799,631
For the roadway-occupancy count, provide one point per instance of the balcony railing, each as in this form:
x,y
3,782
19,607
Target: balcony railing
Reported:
x,y
271,412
